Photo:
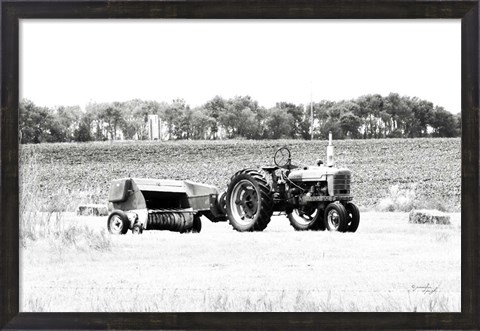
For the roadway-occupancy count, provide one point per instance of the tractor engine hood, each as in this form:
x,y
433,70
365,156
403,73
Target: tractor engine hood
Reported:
x,y
314,173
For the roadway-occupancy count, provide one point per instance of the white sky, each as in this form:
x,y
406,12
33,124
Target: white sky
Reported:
x,y
72,62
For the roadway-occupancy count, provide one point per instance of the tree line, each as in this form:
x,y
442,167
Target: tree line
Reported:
x,y
366,117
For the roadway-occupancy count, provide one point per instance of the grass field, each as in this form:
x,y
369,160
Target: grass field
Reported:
x,y
70,263
381,267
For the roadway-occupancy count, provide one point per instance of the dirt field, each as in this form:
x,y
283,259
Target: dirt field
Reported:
x,y
428,167
387,265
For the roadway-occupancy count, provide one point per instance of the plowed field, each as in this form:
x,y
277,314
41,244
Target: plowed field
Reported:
x,y
429,167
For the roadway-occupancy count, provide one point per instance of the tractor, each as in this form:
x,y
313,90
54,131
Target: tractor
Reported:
x,y
313,197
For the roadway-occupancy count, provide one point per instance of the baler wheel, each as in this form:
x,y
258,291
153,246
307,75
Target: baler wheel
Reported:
x,y
197,224
336,217
137,229
117,222
307,219
196,227
249,201
353,217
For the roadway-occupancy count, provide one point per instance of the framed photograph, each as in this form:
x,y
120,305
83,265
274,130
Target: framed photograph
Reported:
x,y
208,164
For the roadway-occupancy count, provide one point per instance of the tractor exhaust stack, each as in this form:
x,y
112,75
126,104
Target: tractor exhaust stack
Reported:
x,y
330,160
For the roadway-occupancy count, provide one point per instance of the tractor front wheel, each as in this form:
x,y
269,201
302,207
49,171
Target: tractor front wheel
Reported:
x,y
336,217
117,222
306,218
249,201
353,216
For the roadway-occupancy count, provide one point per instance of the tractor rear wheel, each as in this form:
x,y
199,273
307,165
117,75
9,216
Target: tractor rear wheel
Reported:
x,y
117,222
249,201
306,218
336,217
353,216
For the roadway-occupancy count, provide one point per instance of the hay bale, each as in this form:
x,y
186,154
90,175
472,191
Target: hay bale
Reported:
x,y
428,217
92,210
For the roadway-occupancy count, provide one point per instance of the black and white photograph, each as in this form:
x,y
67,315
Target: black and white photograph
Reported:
x,y
240,165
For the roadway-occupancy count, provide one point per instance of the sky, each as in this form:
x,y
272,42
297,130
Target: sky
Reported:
x,y
74,62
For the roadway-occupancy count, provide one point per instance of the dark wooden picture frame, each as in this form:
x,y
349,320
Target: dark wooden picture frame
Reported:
x,y
12,11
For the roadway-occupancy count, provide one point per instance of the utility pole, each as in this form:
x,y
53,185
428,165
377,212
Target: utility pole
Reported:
x,y
311,113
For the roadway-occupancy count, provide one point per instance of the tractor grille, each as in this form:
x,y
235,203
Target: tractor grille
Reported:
x,y
341,185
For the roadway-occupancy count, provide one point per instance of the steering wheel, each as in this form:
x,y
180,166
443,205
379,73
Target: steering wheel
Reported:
x,y
282,157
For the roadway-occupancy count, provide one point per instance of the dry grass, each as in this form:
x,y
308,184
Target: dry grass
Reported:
x,y
183,300
42,217
380,268
405,198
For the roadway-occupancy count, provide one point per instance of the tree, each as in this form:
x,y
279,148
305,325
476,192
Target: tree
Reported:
x,y
321,111
370,107
113,115
332,126
458,123
444,124
184,123
242,117
423,116
279,123
93,111
66,120
57,131
35,123
83,132
214,109
250,127
350,125
244,109
399,115
368,116
299,117
173,116
228,120
201,124
135,115
42,124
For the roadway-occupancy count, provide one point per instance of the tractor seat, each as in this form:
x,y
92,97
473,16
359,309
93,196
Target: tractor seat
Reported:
x,y
270,168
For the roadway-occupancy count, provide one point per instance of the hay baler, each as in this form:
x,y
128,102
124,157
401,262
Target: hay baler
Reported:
x,y
155,204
